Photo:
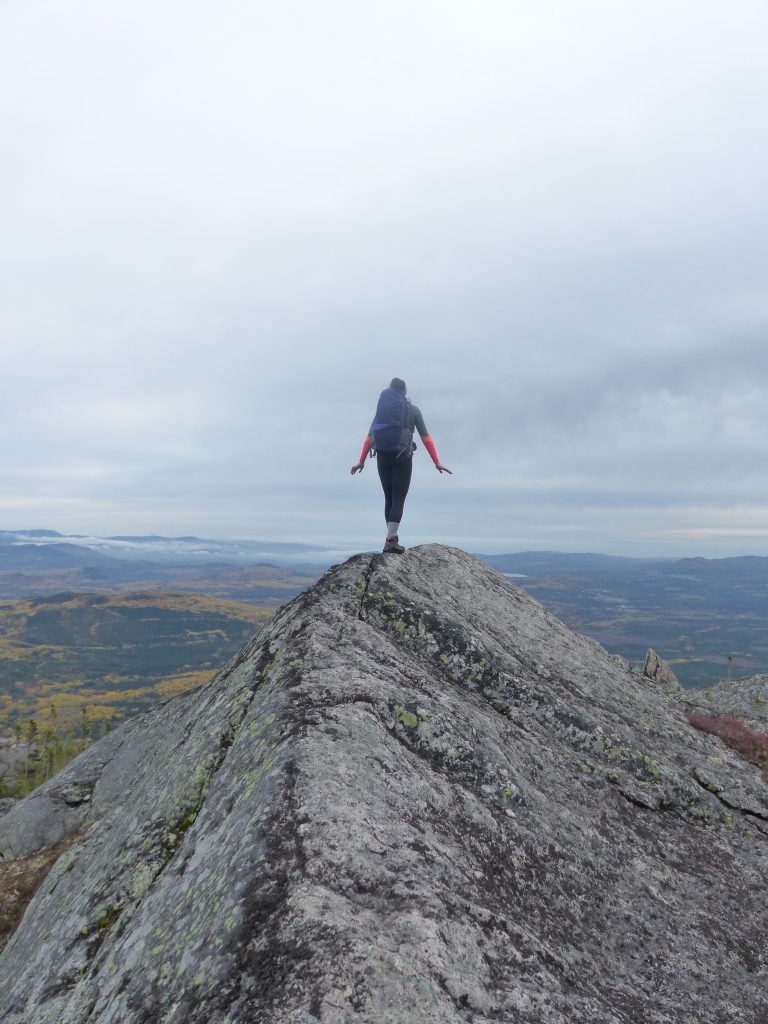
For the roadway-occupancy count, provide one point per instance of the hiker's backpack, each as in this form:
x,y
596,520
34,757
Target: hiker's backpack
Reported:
x,y
393,423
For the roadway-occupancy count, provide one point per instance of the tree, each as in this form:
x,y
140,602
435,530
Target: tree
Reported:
x,y
48,753
31,740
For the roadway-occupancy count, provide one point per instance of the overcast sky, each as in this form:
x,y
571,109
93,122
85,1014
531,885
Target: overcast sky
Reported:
x,y
226,225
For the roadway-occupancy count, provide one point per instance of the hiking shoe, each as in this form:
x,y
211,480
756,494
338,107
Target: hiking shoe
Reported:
x,y
391,545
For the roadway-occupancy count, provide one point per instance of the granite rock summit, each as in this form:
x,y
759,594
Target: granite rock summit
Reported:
x,y
415,796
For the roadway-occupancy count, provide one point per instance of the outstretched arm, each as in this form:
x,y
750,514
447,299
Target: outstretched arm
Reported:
x,y
429,444
360,465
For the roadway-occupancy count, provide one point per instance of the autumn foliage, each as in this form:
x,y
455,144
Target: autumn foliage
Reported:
x,y
751,744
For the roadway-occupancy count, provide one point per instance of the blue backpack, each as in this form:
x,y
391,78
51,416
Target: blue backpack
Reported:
x,y
392,425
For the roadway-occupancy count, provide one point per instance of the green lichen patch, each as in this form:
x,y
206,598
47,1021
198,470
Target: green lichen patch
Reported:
x,y
637,761
448,644
408,718
108,916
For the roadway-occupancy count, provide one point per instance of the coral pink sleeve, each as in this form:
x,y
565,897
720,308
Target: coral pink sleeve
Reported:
x,y
429,444
366,448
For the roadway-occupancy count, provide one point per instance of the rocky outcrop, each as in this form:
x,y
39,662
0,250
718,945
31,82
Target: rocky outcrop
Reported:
x,y
415,796
746,699
659,671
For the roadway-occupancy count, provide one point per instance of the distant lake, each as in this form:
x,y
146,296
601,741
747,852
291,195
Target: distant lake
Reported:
x,y
516,575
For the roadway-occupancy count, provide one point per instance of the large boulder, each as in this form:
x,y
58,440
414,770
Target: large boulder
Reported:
x,y
415,796
659,671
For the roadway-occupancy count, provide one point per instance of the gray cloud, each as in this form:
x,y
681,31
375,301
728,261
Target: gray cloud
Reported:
x,y
226,229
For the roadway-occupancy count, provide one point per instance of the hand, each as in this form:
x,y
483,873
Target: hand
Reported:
x,y
443,469
358,468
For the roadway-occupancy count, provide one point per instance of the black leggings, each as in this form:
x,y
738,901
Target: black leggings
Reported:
x,y
395,476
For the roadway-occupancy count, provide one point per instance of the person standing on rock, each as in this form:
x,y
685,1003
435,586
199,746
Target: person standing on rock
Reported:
x,y
391,439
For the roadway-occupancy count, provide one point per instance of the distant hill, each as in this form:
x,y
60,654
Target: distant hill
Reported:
x,y
113,655
540,562
36,557
28,571
187,550
695,611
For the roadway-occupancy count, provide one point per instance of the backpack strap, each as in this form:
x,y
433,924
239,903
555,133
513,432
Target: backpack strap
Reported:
x,y
411,421
408,427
